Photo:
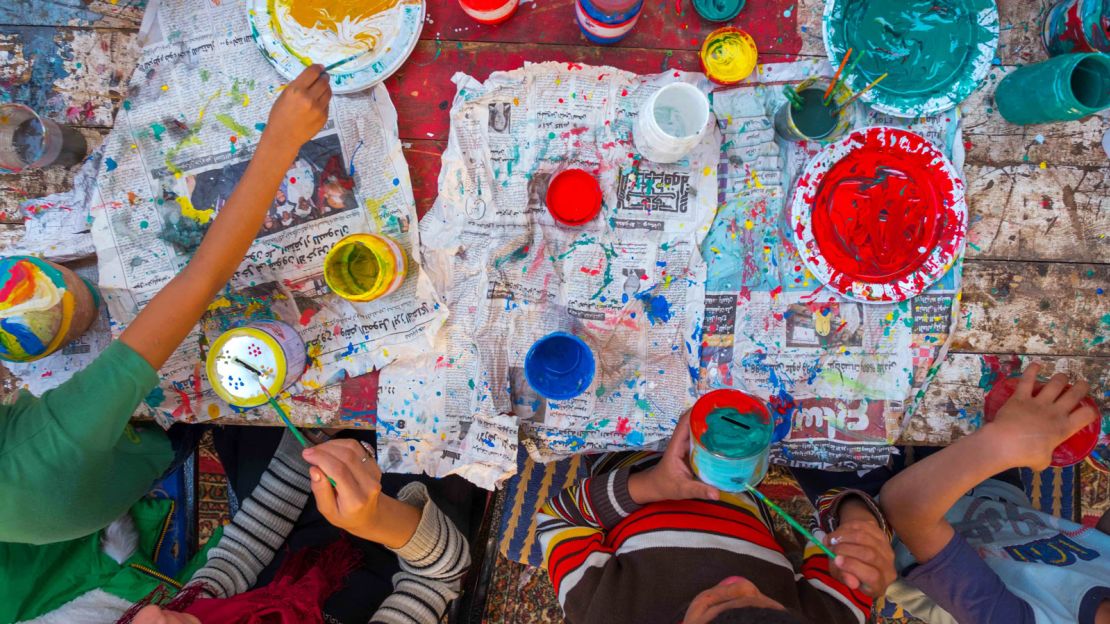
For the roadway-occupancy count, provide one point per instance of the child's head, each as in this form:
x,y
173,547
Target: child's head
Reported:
x,y
153,614
736,600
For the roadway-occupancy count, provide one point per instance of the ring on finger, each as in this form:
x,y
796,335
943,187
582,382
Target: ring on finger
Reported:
x,y
369,451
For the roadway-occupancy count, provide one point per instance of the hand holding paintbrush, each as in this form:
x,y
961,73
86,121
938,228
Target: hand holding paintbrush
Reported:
x,y
277,407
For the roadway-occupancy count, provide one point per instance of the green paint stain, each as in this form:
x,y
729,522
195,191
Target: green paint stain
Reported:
x,y
518,254
158,130
600,392
732,433
643,404
470,382
204,75
144,224
127,105
233,125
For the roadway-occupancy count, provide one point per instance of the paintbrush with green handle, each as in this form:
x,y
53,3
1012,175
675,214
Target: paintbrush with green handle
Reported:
x,y
277,408
791,521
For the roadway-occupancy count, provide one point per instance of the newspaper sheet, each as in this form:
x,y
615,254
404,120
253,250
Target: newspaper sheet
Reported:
x,y
196,106
844,374
630,283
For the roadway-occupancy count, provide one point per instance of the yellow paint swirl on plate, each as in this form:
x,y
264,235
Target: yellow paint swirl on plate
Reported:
x,y
728,55
325,31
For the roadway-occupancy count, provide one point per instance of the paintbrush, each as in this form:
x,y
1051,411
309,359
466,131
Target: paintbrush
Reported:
x,y
792,97
864,90
836,76
344,61
847,72
277,408
791,521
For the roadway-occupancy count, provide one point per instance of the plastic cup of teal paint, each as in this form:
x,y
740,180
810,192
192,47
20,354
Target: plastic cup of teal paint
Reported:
x,y
814,121
730,439
559,366
1063,88
718,10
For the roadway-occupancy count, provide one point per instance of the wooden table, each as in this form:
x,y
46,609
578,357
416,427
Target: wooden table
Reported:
x,y
1038,261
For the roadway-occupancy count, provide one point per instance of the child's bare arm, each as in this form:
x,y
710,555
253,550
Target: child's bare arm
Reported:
x,y
1024,434
297,115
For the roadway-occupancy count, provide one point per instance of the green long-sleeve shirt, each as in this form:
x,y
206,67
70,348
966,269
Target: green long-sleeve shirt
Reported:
x,y
69,461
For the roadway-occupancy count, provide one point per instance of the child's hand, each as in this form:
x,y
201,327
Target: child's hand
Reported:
x,y
302,108
671,478
1029,427
864,558
353,503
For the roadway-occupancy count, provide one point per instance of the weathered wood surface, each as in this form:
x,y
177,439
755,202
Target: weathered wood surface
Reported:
x,y
953,405
1038,249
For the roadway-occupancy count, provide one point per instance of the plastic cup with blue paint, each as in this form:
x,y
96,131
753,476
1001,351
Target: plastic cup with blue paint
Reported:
x,y
730,439
559,366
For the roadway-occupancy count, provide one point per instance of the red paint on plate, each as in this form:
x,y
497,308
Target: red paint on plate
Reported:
x,y
573,197
879,215
1071,451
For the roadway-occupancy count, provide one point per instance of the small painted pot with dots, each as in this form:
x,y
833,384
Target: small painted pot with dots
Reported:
x,y
573,197
43,307
261,354
365,267
1071,451
489,12
559,366
812,120
730,439
604,30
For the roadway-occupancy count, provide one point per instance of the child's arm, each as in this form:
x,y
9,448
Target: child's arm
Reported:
x,y
297,115
433,553
1024,434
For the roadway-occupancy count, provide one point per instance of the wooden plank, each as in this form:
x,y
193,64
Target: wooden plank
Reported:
x,y
772,23
1022,212
422,91
98,13
1035,308
73,76
15,188
423,158
953,404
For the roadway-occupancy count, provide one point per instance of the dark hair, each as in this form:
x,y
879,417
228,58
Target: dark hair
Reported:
x,y
756,615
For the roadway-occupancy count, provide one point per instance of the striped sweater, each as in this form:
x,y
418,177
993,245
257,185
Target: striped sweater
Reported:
x,y
433,562
613,561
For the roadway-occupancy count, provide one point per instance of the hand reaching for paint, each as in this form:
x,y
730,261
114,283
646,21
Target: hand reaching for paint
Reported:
x,y
301,109
1030,426
671,478
356,503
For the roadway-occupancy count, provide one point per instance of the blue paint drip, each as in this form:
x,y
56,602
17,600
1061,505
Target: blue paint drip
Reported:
x,y
156,397
782,403
109,164
655,306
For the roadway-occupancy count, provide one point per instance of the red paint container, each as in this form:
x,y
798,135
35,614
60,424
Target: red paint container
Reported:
x,y
1071,451
573,197
489,12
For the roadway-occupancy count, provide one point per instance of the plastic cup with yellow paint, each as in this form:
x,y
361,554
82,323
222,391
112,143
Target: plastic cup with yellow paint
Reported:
x,y
364,267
